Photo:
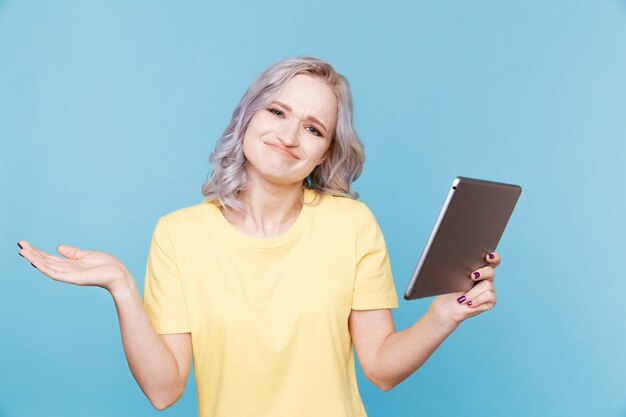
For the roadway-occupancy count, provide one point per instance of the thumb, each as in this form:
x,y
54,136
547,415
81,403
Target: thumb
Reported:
x,y
69,251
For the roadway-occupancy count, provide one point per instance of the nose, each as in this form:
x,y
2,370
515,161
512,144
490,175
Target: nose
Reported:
x,y
288,135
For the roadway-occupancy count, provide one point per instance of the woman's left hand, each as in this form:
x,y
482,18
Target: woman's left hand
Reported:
x,y
452,309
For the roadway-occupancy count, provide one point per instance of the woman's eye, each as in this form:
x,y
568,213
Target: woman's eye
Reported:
x,y
314,131
276,112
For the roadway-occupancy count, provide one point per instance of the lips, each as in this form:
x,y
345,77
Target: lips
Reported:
x,y
282,150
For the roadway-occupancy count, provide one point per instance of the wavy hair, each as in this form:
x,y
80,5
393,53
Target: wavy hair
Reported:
x,y
334,176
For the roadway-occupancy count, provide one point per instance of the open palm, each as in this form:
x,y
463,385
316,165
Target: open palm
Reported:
x,y
79,267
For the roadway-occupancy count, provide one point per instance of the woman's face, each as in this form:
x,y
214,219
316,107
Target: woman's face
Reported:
x,y
285,141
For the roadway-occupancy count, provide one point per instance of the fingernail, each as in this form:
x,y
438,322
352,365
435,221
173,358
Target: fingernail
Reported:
x,y
491,256
18,244
33,265
20,254
476,275
461,299
469,303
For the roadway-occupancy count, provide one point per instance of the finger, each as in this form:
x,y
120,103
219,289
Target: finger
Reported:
x,y
478,289
483,302
70,252
49,270
493,258
64,270
51,264
25,245
21,248
35,251
59,269
30,256
37,256
484,273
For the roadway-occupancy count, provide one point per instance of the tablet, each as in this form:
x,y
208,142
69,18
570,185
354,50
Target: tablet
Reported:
x,y
469,225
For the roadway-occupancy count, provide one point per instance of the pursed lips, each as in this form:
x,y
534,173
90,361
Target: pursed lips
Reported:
x,y
282,149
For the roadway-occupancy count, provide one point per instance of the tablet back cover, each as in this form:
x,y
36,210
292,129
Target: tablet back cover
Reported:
x,y
470,224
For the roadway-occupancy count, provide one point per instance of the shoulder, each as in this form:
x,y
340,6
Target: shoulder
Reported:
x,y
339,204
353,217
189,214
348,209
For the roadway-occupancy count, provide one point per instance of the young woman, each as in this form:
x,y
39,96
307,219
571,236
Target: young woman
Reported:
x,y
273,280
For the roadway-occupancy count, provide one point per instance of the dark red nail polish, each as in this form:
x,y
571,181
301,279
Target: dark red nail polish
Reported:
x,y
469,303
491,256
18,244
461,299
476,275
33,265
21,255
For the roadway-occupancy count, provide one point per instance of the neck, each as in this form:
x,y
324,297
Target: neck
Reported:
x,y
269,210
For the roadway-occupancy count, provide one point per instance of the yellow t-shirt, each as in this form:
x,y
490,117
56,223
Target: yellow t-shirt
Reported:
x,y
269,317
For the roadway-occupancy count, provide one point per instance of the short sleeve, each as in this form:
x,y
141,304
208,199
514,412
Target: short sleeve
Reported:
x,y
163,294
373,287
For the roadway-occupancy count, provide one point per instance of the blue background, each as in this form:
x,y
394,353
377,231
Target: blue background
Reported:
x,y
109,111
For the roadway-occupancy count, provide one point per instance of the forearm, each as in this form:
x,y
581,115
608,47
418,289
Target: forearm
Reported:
x,y
151,362
404,352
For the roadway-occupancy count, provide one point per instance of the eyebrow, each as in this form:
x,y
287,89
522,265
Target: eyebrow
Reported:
x,y
312,118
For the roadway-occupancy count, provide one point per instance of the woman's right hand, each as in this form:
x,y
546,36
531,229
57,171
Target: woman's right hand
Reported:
x,y
79,267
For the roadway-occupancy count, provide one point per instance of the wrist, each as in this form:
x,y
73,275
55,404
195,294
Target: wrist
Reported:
x,y
123,286
441,317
